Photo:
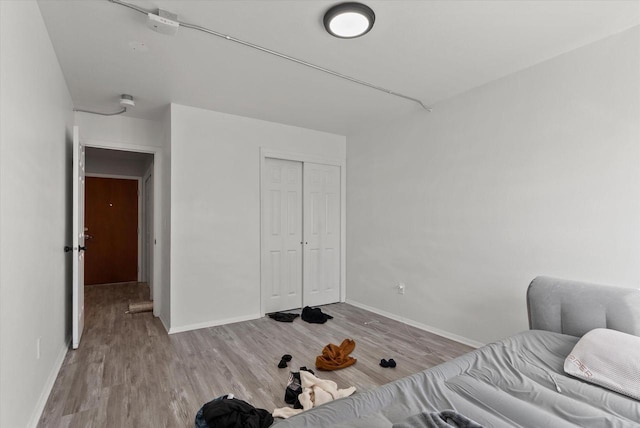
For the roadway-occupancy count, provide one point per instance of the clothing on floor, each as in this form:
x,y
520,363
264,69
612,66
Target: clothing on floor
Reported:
x,y
307,370
315,391
283,316
314,315
444,419
200,422
285,412
229,412
336,357
386,364
294,388
283,362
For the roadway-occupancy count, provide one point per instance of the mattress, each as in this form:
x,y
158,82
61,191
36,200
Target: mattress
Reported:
x,y
515,382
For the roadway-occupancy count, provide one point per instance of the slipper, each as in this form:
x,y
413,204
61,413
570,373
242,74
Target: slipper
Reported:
x,y
392,363
384,363
283,362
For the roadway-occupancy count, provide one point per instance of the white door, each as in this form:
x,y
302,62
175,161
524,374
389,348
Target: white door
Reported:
x,y
321,281
281,235
78,240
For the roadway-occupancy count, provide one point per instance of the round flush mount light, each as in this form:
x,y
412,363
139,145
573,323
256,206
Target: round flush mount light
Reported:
x,y
349,20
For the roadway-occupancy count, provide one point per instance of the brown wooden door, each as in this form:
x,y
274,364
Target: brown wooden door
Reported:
x,y
111,221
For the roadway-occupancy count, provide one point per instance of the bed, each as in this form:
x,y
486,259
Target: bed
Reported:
x,y
515,382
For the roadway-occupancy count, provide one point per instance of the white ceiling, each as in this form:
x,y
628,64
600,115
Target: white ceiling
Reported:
x,y
431,50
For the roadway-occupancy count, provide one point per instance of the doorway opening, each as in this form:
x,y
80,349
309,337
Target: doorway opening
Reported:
x,y
118,229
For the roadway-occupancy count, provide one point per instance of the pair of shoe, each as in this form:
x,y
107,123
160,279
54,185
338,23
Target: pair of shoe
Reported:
x,y
391,363
283,362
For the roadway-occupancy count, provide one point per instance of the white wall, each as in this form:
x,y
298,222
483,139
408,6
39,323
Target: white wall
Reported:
x,y
35,156
215,210
163,224
534,174
146,136
97,130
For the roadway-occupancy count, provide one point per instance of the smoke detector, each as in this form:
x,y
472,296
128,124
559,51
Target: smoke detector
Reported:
x,y
127,101
164,22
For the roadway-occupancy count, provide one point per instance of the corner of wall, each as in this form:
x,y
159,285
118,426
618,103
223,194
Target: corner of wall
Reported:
x,y
48,386
165,227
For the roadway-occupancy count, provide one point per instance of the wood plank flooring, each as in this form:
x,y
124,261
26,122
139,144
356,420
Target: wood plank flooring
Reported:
x,y
129,373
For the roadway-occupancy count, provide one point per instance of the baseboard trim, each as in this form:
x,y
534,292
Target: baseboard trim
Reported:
x,y
416,324
214,323
48,386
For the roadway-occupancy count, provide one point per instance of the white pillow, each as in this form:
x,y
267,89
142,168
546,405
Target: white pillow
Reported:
x,y
608,358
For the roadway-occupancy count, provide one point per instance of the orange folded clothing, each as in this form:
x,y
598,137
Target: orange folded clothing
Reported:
x,y
336,357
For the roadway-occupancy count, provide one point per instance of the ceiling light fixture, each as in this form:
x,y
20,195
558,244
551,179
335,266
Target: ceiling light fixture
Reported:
x,y
349,20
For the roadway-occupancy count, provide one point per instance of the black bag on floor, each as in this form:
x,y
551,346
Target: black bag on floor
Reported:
x,y
229,412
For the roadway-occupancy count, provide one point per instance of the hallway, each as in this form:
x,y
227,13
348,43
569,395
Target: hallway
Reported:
x,y
114,378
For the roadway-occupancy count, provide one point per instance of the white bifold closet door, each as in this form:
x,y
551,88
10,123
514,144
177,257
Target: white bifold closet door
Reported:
x,y
300,234
282,235
321,273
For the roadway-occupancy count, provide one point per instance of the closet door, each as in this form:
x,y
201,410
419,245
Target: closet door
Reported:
x,y
281,235
321,284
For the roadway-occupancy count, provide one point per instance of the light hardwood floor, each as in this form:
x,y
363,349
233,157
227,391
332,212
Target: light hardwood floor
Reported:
x,y
129,373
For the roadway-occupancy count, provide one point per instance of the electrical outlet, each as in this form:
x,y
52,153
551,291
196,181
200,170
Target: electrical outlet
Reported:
x,y
37,348
401,288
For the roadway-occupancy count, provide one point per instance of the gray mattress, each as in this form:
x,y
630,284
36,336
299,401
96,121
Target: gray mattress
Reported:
x,y
509,383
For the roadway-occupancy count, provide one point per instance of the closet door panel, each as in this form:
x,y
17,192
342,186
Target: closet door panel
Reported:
x,y
321,284
282,235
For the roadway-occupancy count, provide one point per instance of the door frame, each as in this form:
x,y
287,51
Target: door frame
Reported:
x,y
156,168
139,180
305,157
147,259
